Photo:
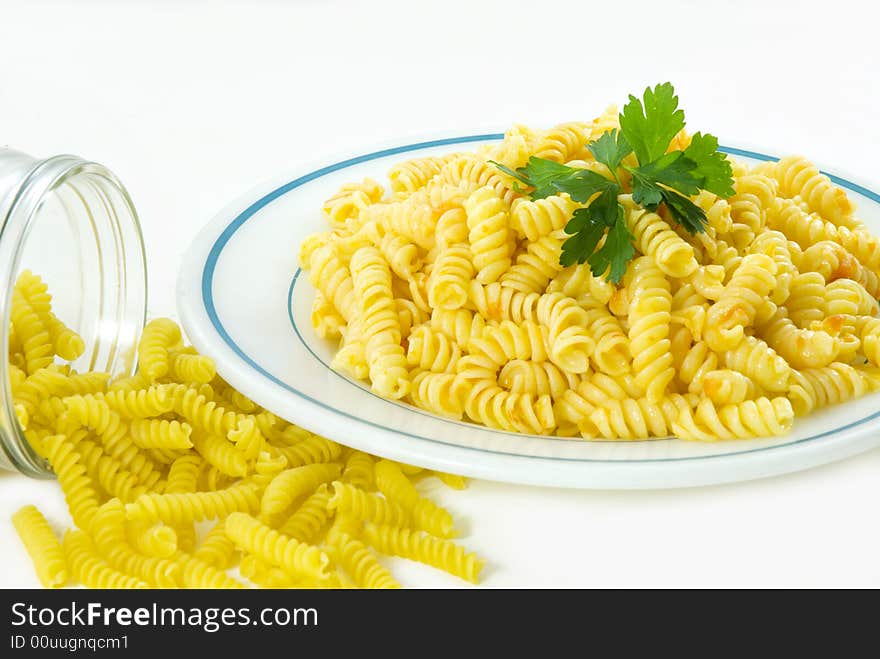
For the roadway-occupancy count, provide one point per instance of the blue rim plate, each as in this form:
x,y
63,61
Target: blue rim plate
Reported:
x,y
243,300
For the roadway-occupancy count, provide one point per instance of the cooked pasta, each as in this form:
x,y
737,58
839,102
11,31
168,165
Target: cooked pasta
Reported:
x,y
496,331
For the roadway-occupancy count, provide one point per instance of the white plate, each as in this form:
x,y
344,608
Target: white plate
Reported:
x,y
243,301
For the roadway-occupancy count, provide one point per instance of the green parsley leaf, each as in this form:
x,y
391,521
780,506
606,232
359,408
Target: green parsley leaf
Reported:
x,y
610,149
586,231
549,178
712,167
686,212
651,127
584,184
541,174
647,127
615,253
672,170
517,176
587,226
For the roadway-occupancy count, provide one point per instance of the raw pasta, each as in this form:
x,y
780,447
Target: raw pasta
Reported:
x,y
164,472
723,334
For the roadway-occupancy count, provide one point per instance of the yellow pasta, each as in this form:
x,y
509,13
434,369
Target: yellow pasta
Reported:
x,y
142,459
293,483
367,506
160,336
359,471
799,177
450,276
649,317
42,546
381,326
196,573
307,522
489,237
361,564
90,569
419,546
161,434
394,484
267,544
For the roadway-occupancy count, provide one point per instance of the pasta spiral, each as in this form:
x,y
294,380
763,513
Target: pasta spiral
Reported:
x,y
833,262
478,172
160,433
740,302
42,546
801,348
439,393
221,454
266,543
836,383
397,488
510,340
187,367
361,564
359,471
383,351
806,300
759,362
89,569
460,325
431,351
450,276
845,296
534,219
564,142
488,234
418,546
175,509
201,413
635,418
35,340
411,175
290,484
312,450
724,386
159,337
799,177
762,417
536,378
306,523
649,317
331,277
367,506
653,237
217,550
196,573
537,265
151,402
79,491
114,433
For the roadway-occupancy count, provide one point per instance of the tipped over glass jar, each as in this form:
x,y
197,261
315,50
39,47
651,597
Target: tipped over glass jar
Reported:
x,y
71,222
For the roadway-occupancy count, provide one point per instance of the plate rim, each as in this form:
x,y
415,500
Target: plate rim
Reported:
x,y
199,267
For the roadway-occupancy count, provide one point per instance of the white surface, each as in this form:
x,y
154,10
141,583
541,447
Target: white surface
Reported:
x,y
283,365
192,104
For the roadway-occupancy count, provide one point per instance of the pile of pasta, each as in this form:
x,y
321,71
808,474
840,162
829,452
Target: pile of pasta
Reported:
x,y
172,477
447,292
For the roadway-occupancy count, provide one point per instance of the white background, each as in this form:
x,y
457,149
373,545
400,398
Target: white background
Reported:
x,y
193,103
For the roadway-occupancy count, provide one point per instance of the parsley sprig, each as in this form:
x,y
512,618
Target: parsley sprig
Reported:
x,y
598,232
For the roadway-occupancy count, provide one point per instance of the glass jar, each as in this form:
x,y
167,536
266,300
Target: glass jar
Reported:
x,y
71,222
